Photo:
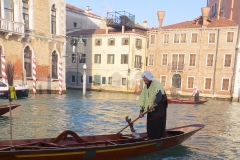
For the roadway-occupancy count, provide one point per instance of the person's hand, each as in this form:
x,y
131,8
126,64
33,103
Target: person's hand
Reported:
x,y
140,114
152,107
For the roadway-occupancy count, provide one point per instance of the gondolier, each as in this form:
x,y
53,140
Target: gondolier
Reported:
x,y
153,98
195,93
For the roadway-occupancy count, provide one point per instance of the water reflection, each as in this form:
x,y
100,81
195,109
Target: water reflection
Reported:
x,y
103,113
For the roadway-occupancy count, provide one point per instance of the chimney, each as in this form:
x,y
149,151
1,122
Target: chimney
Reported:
x,y
87,8
205,14
123,28
145,24
161,15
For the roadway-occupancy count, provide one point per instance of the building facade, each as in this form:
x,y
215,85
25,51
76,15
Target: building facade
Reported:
x,y
115,59
230,10
195,53
33,39
77,18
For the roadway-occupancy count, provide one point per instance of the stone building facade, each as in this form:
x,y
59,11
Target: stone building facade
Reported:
x,y
198,53
34,30
115,59
230,10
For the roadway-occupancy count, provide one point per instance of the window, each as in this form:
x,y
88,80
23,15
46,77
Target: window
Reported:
x,y
103,80
74,24
211,38
98,42
82,59
225,84
138,43
109,80
190,82
97,79
222,5
227,60
208,83
85,42
53,19
111,41
138,61
194,38
152,39
163,80
110,59
25,13
166,38
28,61
90,79
124,81
54,65
125,41
73,79
150,59
177,62
73,58
210,60
230,36
179,38
8,10
164,59
97,58
192,60
124,59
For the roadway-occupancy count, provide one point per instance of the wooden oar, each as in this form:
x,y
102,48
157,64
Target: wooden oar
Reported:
x,y
132,122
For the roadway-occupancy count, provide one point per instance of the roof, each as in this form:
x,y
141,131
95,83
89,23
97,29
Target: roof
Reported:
x,y
80,10
100,31
197,23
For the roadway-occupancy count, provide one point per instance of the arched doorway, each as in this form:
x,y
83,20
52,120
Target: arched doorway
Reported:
x,y
176,81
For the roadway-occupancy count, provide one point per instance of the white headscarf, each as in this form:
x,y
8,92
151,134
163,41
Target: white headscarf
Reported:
x,y
148,75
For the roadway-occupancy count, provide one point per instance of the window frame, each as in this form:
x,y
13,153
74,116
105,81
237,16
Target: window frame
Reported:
x,y
228,35
73,77
153,55
111,41
166,60
96,59
138,44
209,37
54,65
123,56
154,39
123,41
180,38
191,41
224,60
212,60
124,80
165,84
109,81
53,20
166,41
109,58
194,60
25,8
188,81
205,83
229,81
30,69
138,61
98,42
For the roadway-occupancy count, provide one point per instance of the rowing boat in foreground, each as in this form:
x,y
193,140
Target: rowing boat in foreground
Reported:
x,y
179,101
69,146
4,108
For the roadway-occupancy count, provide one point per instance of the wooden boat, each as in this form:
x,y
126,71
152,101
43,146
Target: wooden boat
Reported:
x,y
69,146
179,101
4,108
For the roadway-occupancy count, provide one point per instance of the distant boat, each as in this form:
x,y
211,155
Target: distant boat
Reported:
x,y
21,90
69,146
4,108
179,101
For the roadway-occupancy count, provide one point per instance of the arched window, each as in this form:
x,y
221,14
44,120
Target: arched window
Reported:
x,y
25,13
28,61
176,81
54,65
8,9
53,19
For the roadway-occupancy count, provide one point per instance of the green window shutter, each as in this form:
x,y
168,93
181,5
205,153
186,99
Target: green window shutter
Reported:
x,y
90,79
97,79
103,80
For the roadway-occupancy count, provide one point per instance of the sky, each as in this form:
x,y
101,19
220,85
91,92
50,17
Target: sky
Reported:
x,y
175,10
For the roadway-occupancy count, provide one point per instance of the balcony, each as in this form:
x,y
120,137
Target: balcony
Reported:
x,y
11,27
119,19
176,68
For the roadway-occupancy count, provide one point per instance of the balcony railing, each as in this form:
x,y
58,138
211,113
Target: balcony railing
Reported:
x,y
11,26
176,68
119,19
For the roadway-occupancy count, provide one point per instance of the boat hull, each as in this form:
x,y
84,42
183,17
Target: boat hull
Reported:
x,y
4,108
110,152
178,101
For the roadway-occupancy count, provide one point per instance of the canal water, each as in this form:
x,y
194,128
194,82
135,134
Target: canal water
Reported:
x,y
47,115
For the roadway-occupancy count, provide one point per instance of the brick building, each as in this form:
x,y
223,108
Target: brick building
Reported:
x,y
230,10
34,30
198,53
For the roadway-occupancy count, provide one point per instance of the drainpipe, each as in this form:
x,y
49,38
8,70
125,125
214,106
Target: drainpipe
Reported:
x,y
215,65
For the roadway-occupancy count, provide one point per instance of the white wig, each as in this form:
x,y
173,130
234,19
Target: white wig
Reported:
x,y
147,75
